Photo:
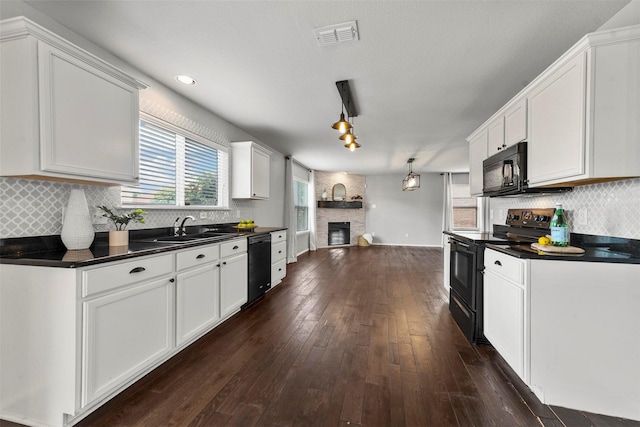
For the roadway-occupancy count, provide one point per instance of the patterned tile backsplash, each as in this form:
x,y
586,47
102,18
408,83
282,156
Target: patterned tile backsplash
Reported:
x,y
607,209
34,208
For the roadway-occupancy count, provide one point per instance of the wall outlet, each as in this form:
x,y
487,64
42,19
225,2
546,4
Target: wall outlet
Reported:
x,y
581,216
491,214
406,234
373,233
203,215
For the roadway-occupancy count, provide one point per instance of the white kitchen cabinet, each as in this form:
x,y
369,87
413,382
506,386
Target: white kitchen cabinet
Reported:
x,y
123,333
66,114
515,122
505,309
583,112
278,257
249,171
197,292
477,154
557,124
495,136
585,344
234,278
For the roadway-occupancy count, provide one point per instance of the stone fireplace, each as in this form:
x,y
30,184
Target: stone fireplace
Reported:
x,y
352,213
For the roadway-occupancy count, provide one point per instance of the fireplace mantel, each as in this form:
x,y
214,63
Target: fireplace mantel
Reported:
x,y
344,204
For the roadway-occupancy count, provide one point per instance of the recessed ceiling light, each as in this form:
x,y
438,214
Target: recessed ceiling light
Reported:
x,y
186,80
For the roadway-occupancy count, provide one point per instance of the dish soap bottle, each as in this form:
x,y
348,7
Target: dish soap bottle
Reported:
x,y
559,228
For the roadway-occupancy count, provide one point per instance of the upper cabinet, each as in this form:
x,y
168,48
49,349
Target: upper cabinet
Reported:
x,y
66,114
584,112
249,171
477,154
581,116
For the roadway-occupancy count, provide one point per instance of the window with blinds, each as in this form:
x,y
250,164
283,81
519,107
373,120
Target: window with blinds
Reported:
x,y
177,170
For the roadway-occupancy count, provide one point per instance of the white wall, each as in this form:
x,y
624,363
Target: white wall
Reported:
x,y
411,218
628,15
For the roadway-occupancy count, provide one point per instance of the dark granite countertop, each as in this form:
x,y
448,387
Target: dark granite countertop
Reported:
x,y
597,249
49,251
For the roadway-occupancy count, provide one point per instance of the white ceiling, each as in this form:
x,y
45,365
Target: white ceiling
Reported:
x,y
424,74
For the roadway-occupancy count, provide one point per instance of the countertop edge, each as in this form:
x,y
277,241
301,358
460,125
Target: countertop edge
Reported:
x,y
25,260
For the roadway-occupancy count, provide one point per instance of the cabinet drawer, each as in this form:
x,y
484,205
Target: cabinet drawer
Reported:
x,y
504,265
279,236
278,270
114,276
197,256
278,251
233,247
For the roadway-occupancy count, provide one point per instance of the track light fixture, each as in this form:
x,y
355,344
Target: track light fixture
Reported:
x,y
412,180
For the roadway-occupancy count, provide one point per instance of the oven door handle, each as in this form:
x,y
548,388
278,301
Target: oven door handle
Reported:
x,y
456,244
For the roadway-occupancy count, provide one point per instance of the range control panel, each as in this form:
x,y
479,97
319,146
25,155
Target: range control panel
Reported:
x,y
538,218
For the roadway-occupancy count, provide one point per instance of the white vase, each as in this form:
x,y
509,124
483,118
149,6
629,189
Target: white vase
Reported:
x,y
118,238
77,229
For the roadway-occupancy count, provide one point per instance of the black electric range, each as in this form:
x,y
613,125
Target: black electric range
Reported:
x,y
523,226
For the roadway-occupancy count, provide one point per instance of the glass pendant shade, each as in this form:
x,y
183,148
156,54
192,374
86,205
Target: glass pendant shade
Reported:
x,y
341,125
412,180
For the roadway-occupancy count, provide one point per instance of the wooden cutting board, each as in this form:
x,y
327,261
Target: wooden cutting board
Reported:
x,y
557,249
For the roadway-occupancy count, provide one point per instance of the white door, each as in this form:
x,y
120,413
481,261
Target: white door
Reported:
x,y
260,174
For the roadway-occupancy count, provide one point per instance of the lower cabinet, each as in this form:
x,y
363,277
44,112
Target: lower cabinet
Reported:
x,y
197,301
197,292
91,332
278,257
123,332
233,283
504,308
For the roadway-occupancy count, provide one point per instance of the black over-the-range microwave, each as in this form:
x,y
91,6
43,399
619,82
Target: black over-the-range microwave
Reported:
x,y
505,174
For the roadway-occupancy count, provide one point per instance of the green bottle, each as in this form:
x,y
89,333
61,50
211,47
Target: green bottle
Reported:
x,y
559,228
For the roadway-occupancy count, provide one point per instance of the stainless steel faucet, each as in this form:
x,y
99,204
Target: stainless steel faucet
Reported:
x,y
181,231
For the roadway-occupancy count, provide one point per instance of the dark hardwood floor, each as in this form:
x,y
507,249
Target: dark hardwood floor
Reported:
x,y
353,336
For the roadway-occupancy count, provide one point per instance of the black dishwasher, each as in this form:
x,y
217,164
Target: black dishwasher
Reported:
x,y
259,266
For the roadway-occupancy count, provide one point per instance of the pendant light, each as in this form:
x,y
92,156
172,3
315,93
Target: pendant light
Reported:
x,y
412,180
341,125
352,146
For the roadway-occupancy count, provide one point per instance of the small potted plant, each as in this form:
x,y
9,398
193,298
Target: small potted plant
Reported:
x,y
120,236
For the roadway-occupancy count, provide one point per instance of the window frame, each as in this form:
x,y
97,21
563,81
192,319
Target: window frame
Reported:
x,y
308,229
223,170
479,210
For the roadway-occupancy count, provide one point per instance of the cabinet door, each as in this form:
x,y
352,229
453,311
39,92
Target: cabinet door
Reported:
x,y
197,301
477,154
556,146
123,333
515,123
89,119
260,174
233,284
504,319
496,136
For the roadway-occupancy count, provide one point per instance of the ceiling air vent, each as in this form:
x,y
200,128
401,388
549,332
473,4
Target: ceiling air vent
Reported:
x,y
335,34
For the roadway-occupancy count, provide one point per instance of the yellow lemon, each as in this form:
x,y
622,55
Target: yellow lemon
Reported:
x,y
544,240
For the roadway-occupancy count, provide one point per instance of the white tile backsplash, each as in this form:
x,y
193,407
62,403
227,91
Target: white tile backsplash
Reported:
x,y
607,209
34,208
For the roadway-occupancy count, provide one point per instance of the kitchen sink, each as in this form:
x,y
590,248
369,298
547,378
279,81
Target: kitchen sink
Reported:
x,y
186,239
